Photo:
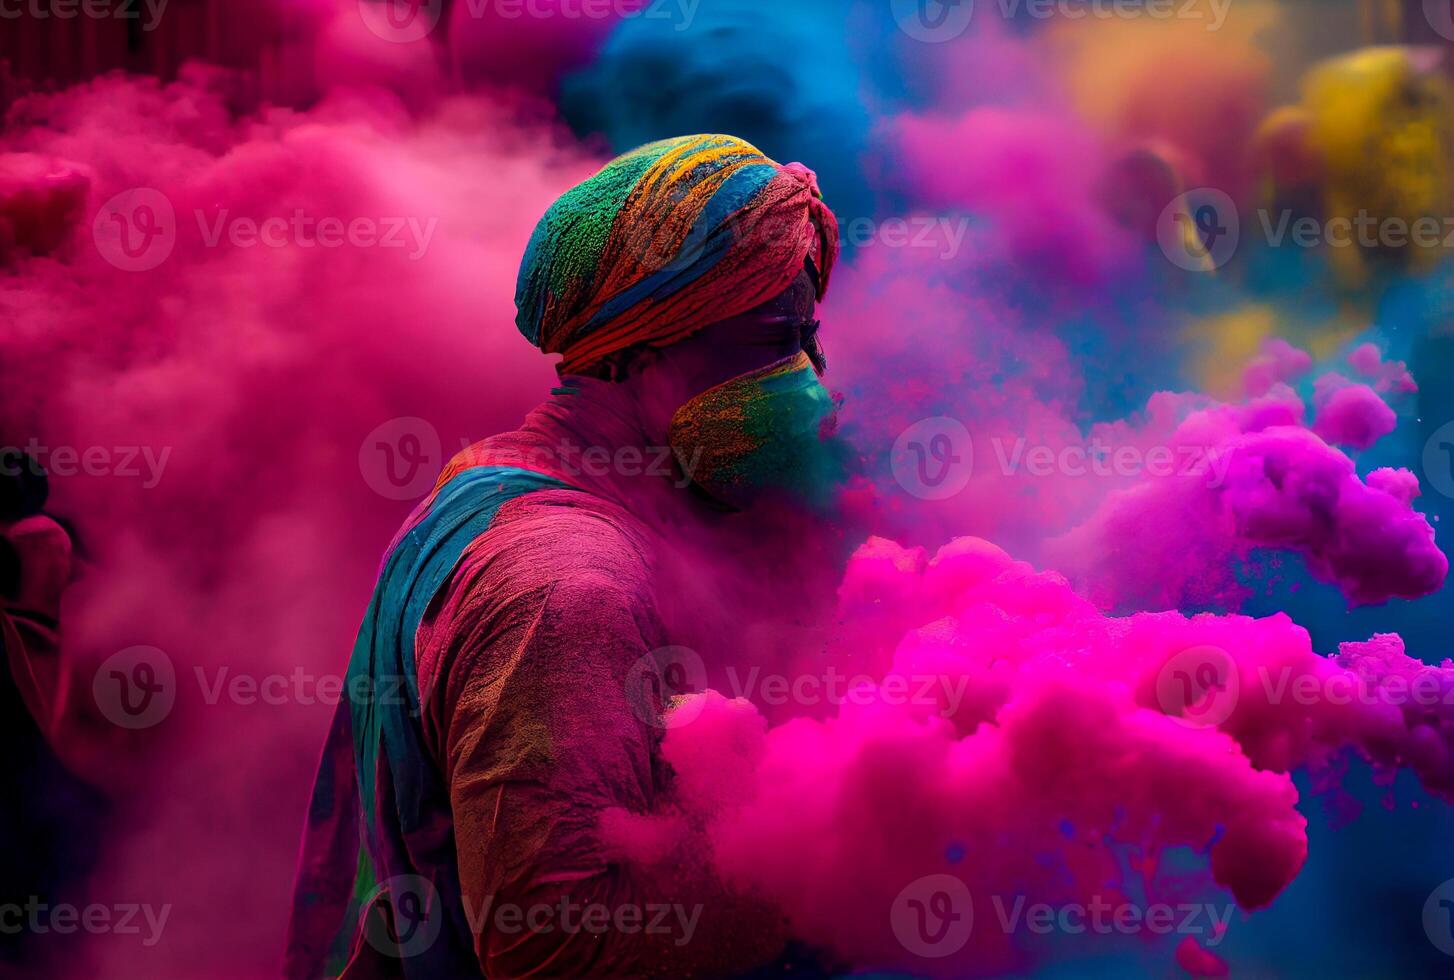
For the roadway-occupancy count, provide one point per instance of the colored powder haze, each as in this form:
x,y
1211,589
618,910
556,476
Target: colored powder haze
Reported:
x,y
1133,439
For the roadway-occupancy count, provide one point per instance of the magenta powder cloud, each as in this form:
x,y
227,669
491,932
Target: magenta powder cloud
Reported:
x,y
1024,743
1265,481
254,374
1043,757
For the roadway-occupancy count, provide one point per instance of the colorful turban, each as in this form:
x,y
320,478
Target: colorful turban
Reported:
x,y
665,240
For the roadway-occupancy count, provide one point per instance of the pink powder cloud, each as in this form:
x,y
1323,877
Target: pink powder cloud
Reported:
x,y
1279,363
1177,539
1367,360
253,375
1350,414
1032,174
1057,755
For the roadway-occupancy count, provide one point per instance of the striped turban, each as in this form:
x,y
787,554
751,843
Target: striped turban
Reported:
x,y
665,240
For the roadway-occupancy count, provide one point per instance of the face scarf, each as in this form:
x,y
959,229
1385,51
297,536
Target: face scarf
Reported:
x,y
760,435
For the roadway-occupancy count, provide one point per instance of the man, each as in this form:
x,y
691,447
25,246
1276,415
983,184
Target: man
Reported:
x,y
492,718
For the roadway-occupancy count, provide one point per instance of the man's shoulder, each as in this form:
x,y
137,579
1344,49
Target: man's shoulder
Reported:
x,y
566,539
553,563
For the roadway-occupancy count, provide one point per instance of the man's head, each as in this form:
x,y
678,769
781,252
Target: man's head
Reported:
x,y
692,267
665,241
